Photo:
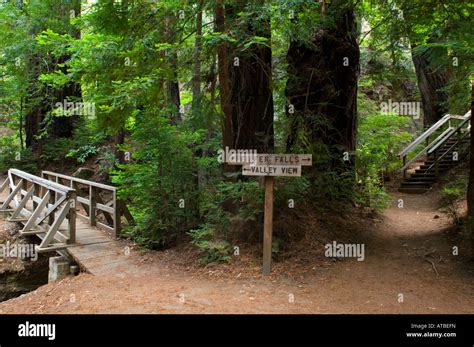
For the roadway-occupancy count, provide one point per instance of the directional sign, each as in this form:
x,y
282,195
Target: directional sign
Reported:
x,y
268,165
273,159
271,170
284,159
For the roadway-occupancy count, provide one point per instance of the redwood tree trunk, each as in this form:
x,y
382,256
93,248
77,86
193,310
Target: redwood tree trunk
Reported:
x,y
430,81
470,190
245,82
34,120
322,90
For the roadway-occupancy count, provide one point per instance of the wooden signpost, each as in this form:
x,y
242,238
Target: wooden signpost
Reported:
x,y
271,165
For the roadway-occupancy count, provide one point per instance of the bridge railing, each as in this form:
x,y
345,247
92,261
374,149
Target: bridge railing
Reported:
x,y
45,208
98,204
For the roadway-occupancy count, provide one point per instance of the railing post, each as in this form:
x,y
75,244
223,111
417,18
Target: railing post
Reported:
x,y
56,193
117,216
52,201
404,170
92,206
436,164
72,201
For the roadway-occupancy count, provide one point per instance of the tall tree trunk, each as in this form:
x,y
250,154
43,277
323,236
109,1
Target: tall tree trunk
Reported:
x,y
37,110
245,82
197,62
470,190
322,90
172,82
430,81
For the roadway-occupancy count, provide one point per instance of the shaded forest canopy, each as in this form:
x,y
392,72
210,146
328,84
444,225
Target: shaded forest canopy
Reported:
x,y
146,92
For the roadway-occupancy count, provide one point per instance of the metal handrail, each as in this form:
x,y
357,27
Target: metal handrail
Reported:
x,y
425,135
441,139
455,130
424,150
446,152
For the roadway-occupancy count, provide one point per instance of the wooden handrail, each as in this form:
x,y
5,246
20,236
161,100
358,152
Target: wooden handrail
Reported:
x,y
79,180
43,206
93,204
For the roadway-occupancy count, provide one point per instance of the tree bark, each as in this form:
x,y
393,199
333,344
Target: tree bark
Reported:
x,y
470,190
245,82
197,62
39,109
322,90
430,81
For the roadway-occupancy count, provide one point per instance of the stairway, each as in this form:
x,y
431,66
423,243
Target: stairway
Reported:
x,y
423,178
451,134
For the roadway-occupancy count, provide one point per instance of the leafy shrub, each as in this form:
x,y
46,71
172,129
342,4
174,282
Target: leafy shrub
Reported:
x,y
12,156
451,194
82,153
160,180
381,137
212,237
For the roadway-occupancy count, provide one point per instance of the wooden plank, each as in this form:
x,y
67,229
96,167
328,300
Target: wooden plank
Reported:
x,y
12,195
105,208
92,205
81,181
23,202
3,186
83,200
106,228
263,159
53,247
71,217
117,216
107,216
52,209
55,226
268,226
271,170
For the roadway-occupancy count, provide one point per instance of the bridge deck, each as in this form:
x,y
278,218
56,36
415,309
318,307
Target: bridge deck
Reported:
x,y
95,251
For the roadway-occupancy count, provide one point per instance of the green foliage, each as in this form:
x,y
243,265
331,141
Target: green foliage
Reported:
x,y
12,156
212,237
451,193
160,180
82,153
381,137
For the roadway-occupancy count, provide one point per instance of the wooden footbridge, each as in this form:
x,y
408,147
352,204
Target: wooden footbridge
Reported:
x,y
77,218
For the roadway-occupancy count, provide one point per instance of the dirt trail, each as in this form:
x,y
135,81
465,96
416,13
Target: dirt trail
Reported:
x,y
401,256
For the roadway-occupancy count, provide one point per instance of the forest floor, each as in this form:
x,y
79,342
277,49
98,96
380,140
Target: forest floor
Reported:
x,y
408,251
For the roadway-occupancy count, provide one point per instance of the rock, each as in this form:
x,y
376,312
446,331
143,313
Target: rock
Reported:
x,y
436,216
84,173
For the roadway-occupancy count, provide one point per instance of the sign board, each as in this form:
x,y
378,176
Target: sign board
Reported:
x,y
272,159
284,159
268,165
271,170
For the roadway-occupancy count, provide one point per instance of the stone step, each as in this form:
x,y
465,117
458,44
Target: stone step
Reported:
x,y
412,190
421,179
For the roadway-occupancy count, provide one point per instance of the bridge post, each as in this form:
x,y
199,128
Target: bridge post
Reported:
x,y
117,215
92,206
72,201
